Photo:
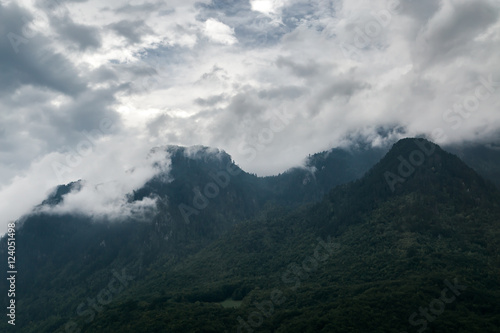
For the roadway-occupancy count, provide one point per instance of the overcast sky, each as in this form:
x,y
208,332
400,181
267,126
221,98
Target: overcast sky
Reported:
x,y
88,87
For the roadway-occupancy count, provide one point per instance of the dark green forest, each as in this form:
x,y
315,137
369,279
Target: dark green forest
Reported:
x,y
404,239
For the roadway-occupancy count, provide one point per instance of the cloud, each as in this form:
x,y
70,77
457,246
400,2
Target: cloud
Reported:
x,y
105,189
83,35
268,7
302,70
133,31
269,82
139,8
210,101
219,32
27,59
107,196
453,30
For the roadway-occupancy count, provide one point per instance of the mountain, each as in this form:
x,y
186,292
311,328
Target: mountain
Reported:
x,y
204,184
202,196
322,172
372,255
484,158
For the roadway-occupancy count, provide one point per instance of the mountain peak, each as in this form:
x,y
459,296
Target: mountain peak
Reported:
x,y
419,165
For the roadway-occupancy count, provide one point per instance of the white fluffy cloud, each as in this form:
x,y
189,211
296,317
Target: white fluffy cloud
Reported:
x,y
219,32
110,168
268,7
104,190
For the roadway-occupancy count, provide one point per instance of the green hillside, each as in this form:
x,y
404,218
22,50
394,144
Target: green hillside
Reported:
x,y
412,246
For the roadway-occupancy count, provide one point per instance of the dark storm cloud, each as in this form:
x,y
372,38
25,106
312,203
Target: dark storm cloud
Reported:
x,y
103,74
52,127
83,35
86,112
53,102
133,31
25,57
